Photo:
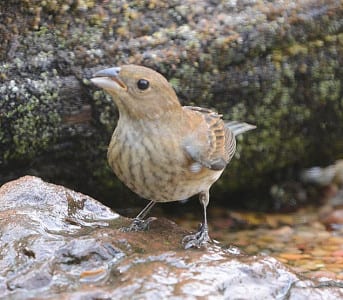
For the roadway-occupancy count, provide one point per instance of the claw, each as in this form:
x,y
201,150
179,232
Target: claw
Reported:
x,y
138,225
197,240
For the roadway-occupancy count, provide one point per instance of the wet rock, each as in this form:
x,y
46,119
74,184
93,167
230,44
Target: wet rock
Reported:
x,y
329,183
324,176
331,216
59,244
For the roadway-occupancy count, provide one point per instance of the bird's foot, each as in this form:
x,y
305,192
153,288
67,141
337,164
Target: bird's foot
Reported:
x,y
138,225
197,240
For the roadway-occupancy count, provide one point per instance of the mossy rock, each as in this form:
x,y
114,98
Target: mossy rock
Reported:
x,y
278,66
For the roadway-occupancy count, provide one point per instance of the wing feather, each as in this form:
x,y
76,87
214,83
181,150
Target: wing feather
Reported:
x,y
212,144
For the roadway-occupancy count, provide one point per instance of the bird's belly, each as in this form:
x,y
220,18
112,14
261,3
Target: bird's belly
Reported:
x,y
161,175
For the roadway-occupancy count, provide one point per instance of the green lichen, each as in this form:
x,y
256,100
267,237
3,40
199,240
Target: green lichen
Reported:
x,y
264,63
30,124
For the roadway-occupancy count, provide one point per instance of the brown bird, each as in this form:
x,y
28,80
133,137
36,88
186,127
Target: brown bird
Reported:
x,y
161,150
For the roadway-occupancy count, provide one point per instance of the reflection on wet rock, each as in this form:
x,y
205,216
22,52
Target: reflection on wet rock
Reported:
x,y
45,255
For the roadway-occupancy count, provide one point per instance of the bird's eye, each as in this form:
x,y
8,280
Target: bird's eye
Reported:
x,y
143,84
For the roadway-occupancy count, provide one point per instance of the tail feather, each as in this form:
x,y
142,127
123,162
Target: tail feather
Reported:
x,y
239,127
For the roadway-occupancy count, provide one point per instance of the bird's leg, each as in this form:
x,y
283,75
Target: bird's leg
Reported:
x,y
201,237
139,224
145,210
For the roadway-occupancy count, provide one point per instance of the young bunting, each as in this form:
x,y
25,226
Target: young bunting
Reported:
x,y
161,150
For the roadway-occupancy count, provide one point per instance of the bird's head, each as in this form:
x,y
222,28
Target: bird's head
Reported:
x,y
139,92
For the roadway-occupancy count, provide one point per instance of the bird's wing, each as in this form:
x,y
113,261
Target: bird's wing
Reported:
x,y
210,143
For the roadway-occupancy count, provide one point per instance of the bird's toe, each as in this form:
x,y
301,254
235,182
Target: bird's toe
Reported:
x,y
138,225
197,240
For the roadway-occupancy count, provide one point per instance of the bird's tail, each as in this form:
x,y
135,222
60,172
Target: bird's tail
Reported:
x,y
239,127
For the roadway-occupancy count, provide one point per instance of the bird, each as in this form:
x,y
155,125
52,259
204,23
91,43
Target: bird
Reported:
x,y
161,150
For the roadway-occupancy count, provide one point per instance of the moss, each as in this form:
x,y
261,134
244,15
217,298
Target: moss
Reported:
x,y
329,90
297,49
31,124
277,66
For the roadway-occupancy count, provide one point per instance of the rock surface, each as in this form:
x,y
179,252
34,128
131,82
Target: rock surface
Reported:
x,y
59,244
275,64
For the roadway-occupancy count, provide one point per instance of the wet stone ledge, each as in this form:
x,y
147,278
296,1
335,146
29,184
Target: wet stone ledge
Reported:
x,y
59,244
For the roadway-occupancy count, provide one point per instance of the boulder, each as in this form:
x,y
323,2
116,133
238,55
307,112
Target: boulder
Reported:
x,y
59,244
276,65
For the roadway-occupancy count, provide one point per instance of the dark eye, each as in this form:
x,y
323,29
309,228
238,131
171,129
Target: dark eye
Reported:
x,y
143,84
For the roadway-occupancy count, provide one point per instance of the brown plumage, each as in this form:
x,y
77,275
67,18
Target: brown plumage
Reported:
x,y
161,150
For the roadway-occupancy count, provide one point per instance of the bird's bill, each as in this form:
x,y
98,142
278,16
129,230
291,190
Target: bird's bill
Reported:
x,y
109,79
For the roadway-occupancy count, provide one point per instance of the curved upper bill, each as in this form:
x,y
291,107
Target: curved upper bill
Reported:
x,y
108,79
